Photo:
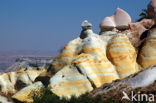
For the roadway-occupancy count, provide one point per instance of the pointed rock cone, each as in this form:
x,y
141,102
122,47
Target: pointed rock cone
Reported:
x,y
123,55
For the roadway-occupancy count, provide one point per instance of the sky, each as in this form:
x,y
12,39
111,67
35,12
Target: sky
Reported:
x,y
48,25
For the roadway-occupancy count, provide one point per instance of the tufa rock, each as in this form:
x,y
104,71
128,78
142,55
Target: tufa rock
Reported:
x,y
69,81
147,55
88,67
119,20
152,9
141,79
138,31
123,55
86,29
12,82
24,95
4,100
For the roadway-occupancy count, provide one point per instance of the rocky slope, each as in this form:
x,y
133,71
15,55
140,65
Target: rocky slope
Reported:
x,y
142,82
119,58
24,62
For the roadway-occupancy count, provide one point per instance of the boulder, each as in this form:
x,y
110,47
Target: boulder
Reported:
x,y
69,81
119,20
147,55
11,82
7,86
24,95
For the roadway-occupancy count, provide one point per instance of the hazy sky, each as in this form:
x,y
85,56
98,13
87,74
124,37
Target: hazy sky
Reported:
x,y
50,24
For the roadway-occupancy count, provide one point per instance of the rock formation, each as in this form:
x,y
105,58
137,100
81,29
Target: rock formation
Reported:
x,y
4,100
143,82
119,20
123,55
138,31
91,64
147,55
12,82
118,59
152,9
24,95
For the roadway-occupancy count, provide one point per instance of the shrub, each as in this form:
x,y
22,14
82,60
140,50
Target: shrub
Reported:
x,y
46,96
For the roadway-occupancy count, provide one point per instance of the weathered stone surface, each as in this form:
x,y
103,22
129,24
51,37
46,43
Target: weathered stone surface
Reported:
x,y
67,55
147,56
138,31
69,81
93,62
120,20
143,82
4,100
152,9
90,61
123,55
73,48
11,82
6,85
24,95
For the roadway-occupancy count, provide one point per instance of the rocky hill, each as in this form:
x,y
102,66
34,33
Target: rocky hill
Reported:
x,y
9,58
114,62
24,62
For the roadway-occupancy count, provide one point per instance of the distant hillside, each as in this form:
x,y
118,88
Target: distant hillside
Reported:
x,y
8,58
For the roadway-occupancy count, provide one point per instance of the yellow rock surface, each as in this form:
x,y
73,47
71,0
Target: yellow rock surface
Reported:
x,y
67,54
69,81
123,55
24,95
93,62
147,56
9,81
6,85
88,69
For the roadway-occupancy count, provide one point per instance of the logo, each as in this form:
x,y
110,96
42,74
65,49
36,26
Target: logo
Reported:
x,y
138,97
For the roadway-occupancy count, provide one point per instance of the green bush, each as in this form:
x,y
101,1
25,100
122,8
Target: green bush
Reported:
x,y
46,96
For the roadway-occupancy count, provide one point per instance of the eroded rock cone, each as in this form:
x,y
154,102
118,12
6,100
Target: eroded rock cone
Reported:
x,y
90,67
73,48
123,55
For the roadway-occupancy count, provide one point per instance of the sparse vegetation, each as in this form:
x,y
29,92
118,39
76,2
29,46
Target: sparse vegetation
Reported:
x,y
143,15
46,96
